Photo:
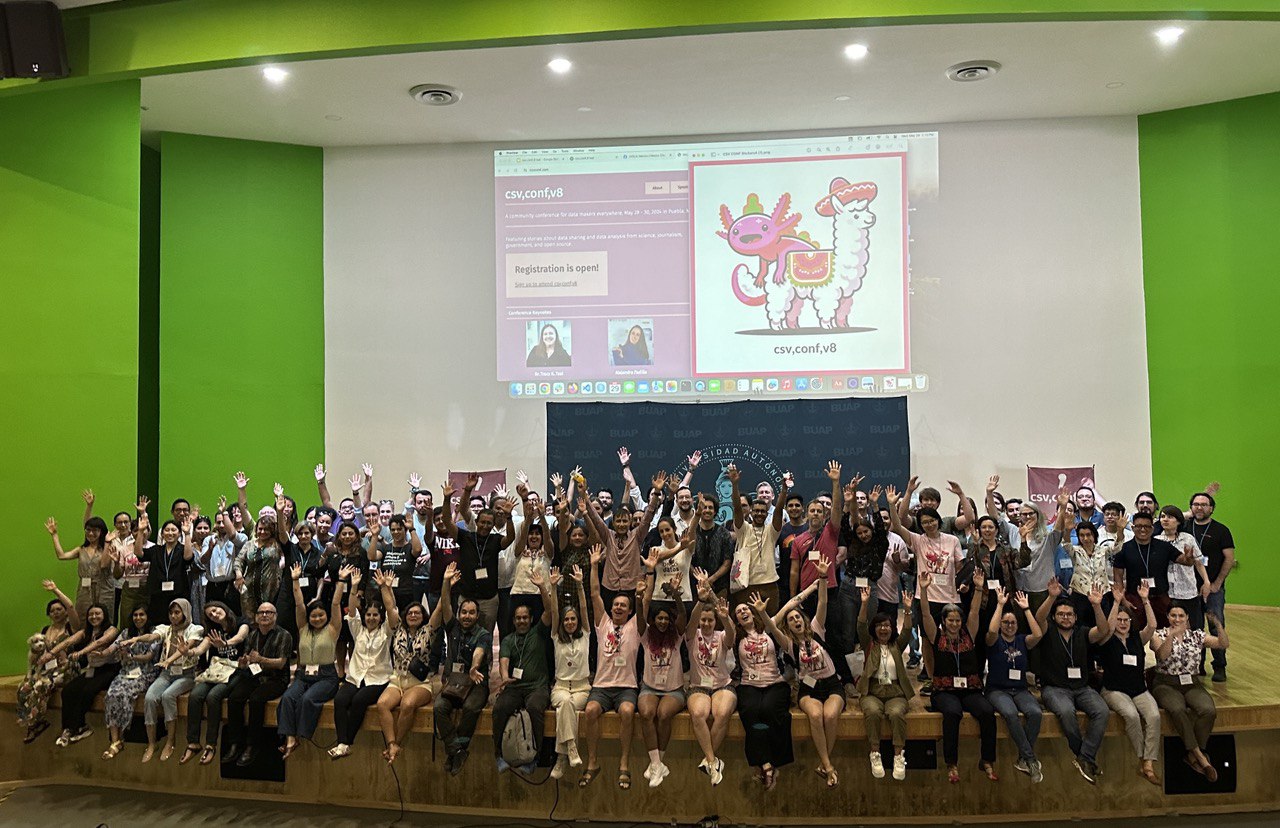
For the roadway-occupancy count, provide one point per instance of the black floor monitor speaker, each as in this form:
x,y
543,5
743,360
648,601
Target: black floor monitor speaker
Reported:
x,y
1181,778
922,754
32,44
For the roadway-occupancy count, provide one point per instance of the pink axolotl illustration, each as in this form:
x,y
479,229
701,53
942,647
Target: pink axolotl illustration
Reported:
x,y
793,270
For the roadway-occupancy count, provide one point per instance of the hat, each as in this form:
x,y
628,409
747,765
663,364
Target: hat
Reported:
x,y
846,192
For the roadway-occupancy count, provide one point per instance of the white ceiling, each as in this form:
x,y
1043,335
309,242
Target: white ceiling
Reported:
x,y
731,83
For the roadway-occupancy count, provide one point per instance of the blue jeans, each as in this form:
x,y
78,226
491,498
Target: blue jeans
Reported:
x,y
1064,703
164,693
1216,603
1008,703
298,713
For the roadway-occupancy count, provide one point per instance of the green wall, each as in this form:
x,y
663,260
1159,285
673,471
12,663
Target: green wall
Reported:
x,y
69,168
241,318
1210,202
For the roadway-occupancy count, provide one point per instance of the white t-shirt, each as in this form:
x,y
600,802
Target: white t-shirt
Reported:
x,y
1182,577
668,569
754,552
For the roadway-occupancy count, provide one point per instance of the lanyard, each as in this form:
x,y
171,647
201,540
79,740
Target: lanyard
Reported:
x,y
481,548
1146,557
168,561
1200,540
1070,648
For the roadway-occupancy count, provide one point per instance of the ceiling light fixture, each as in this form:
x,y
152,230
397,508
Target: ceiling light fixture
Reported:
x,y
274,74
855,51
973,70
842,98
435,94
560,65
1115,84
584,109
1169,35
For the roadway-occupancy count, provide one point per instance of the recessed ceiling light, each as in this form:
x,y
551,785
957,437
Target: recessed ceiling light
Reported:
x,y
842,98
1169,35
560,65
274,74
1115,84
855,51
584,109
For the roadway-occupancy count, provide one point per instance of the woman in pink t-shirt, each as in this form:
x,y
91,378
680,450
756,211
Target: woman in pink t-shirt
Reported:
x,y
764,699
662,687
820,697
712,698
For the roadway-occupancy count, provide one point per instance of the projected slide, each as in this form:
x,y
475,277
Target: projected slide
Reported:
x,y
617,273
799,265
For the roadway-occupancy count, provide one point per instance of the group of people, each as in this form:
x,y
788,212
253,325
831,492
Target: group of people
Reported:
x,y
646,608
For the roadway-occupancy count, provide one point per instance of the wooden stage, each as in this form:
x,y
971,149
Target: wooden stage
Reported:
x,y
1248,708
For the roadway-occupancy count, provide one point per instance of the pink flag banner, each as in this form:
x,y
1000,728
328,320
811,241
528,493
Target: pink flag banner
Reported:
x,y
1043,483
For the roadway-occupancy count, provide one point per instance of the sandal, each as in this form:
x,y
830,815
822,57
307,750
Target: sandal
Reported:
x,y
112,749
189,754
166,753
624,780
820,772
770,778
1149,774
588,776
206,755
1209,771
34,731
990,770
953,774
833,778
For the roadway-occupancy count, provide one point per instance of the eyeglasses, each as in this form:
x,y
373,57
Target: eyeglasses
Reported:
x,y
266,612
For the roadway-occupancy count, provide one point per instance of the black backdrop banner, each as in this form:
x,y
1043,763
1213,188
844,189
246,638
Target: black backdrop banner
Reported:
x,y
763,438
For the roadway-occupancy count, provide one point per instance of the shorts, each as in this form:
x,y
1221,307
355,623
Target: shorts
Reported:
x,y
711,691
611,698
678,693
404,682
823,690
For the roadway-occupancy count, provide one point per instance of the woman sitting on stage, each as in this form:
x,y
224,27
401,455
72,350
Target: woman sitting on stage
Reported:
x,y
821,696
764,698
410,653
662,685
884,688
712,698
369,668
1123,658
316,679
957,678
1177,687
572,673
223,635
1007,651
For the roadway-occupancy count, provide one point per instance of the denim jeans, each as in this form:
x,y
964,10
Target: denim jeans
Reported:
x,y
1064,703
1008,703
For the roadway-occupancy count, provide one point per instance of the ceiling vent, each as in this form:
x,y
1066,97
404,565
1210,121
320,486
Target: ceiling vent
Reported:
x,y
973,70
435,94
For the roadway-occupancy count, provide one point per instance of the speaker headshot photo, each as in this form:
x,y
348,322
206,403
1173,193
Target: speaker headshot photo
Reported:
x,y
630,341
549,343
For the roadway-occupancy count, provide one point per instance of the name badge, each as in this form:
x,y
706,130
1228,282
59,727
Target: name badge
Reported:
x,y
1130,661
49,665
1074,673
1185,678
619,661
1149,583
810,681
254,669
993,585
395,582
961,683
175,670
86,582
860,583
707,681
517,673
313,669
814,554
166,586
304,582
482,573
135,673
133,583
1014,675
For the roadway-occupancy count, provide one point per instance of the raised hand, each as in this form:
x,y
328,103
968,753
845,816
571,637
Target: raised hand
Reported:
x,y
821,565
1144,591
758,602
222,503
88,496
659,480
954,488
694,459
52,526
188,523
49,585
384,577
1001,596
673,482
451,573
925,579
242,481
1021,601
473,480
319,472
1095,595
535,577
1026,528
296,572
624,455
597,554
722,606
576,573
913,483
556,576
557,480
1063,497
144,501
858,480
367,468
788,479
891,495
356,482
993,482
865,592
979,579
833,471
651,562
447,489
522,487
415,480
874,497
731,472
500,491
278,491
699,575
1055,588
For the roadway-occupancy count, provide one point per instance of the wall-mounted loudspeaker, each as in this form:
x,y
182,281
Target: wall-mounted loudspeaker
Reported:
x,y
32,44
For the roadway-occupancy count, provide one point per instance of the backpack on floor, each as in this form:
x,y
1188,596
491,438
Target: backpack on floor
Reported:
x,y
518,745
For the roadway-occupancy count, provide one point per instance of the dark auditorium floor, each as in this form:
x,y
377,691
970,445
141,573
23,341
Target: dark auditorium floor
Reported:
x,y
73,807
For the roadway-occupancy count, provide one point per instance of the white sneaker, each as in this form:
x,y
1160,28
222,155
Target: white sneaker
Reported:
x,y
648,772
63,739
575,759
660,772
900,766
877,766
562,762
717,772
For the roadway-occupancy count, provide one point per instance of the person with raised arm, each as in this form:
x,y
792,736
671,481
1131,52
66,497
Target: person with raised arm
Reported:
x,y
615,684
764,697
89,646
94,561
756,538
217,558
884,688
622,543
1177,687
224,633
399,557
1007,690
48,667
178,639
957,677
672,558
821,695
820,540
258,563
937,553
531,554
522,668
662,685
1092,567
170,560
478,552
1064,665
465,648
1122,655
572,671
412,639
1146,560
712,697
369,670
573,551
316,680
713,545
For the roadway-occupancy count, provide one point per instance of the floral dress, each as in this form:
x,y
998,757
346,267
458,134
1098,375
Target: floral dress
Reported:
x,y
132,680
42,680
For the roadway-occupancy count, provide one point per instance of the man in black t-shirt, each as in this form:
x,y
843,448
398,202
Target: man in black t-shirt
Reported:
x,y
1219,547
1146,559
1064,674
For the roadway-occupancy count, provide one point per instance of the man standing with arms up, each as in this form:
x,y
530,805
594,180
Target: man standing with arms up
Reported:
x,y
1219,546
